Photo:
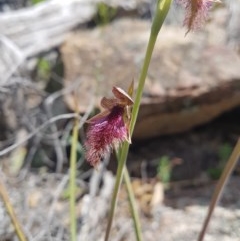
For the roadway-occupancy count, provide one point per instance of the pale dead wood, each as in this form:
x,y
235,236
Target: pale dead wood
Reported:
x,y
30,31
46,25
11,58
29,136
41,27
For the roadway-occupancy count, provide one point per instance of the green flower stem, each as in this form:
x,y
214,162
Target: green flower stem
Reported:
x,y
162,9
220,187
132,201
72,182
133,205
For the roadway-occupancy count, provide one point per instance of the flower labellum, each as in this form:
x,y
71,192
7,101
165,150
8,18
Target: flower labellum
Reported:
x,y
109,128
196,12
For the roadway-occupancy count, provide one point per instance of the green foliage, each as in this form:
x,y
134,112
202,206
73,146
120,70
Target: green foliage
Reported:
x,y
72,182
105,14
214,173
34,2
16,160
224,153
67,192
43,69
164,170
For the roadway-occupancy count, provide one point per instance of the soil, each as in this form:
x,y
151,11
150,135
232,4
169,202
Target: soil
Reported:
x,y
42,205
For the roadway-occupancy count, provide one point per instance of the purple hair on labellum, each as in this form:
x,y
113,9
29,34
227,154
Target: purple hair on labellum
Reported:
x,y
196,12
104,133
109,128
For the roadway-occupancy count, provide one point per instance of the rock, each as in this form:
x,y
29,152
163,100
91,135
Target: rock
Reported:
x,y
192,79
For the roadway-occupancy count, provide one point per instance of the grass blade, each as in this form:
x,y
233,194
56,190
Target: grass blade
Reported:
x,y
232,161
11,212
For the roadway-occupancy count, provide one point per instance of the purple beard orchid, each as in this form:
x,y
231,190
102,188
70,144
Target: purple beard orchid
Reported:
x,y
196,12
109,128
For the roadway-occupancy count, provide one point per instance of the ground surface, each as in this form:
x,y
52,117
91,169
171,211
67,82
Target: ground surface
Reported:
x,y
44,213
42,205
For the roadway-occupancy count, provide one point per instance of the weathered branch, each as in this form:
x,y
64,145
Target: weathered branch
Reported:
x,y
45,25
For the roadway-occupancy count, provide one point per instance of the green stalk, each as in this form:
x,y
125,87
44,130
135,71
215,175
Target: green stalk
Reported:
x,y
220,187
133,205
132,201
11,212
162,9
72,182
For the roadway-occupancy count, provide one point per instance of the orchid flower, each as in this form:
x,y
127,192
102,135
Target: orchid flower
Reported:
x,y
109,128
